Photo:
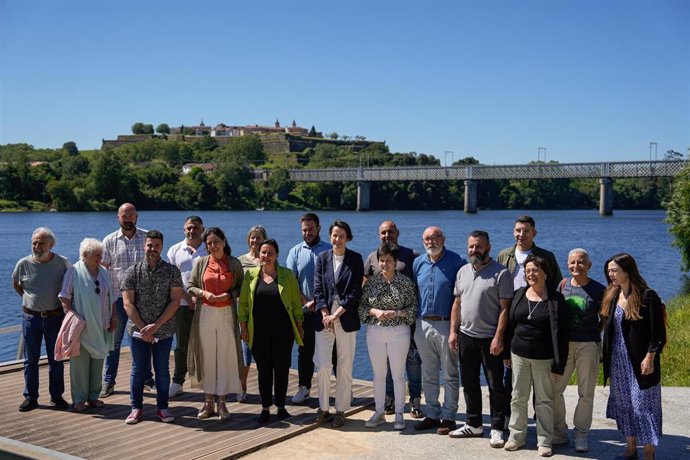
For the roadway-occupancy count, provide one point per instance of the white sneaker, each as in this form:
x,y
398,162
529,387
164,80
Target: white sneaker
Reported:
x,y
497,439
399,423
377,419
242,397
581,444
467,431
301,395
175,389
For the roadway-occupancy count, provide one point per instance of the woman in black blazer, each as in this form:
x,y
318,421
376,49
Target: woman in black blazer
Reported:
x,y
337,288
634,336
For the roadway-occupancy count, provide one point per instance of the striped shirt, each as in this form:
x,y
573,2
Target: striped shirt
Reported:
x,y
120,253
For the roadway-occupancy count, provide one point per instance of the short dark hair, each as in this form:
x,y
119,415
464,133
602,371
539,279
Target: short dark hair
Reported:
x,y
273,243
526,220
341,224
195,219
154,235
480,234
539,261
220,234
388,249
310,216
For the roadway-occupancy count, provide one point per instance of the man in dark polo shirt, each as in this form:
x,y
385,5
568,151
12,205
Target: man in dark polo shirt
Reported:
x,y
151,292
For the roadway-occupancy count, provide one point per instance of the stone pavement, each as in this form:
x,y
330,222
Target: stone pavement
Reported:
x,y
357,442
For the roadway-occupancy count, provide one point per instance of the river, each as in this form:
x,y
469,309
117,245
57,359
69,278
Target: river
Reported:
x,y
644,234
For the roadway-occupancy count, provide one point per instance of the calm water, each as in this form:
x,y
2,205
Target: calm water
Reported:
x,y
641,233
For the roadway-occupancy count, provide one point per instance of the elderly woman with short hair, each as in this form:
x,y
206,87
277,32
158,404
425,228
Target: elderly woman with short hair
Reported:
x,y
88,291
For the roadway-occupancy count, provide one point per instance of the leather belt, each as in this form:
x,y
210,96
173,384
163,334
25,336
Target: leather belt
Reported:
x,y
436,318
43,314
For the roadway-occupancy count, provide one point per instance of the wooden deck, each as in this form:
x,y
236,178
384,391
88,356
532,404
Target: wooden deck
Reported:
x,y
103,434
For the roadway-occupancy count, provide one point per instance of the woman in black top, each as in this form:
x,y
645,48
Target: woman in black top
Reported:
x,y
538,342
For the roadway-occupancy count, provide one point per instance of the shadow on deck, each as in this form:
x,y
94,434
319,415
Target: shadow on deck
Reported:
x,y
103,434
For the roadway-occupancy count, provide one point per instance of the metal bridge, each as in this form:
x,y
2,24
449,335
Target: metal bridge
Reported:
x,y
470,174
613,170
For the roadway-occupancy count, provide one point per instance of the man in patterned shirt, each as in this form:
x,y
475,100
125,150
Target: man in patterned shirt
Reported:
x,y
121,249
151,291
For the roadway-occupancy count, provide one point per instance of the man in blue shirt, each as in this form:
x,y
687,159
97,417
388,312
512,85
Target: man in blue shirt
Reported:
x,y
435,274
302,260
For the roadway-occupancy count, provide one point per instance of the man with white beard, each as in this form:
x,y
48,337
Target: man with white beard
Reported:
x,y
434,273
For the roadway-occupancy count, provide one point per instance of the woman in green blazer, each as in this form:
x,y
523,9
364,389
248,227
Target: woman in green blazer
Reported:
x,y
270,317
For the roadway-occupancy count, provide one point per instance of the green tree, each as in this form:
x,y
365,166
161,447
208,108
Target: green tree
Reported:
x,y
235,184
163,128
678,215
138,128
333,135
248,147
71,148
147,129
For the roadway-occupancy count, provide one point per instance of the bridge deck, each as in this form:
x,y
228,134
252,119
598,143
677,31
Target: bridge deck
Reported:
x,y
102,434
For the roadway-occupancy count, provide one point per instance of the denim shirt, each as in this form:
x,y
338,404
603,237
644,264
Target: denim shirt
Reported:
x,y
436,281
302,261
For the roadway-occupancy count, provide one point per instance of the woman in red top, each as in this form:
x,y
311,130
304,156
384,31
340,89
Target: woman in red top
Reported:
x,y
214,356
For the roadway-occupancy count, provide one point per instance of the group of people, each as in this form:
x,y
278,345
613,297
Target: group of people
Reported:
x,y
429,318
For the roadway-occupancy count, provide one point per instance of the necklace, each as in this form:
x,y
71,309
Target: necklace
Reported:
x,y
530,309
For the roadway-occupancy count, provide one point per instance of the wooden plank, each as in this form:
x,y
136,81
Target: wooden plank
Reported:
x,y
103,434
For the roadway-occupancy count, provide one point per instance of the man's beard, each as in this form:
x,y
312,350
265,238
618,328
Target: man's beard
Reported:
x,y
477,258
433,251
128,226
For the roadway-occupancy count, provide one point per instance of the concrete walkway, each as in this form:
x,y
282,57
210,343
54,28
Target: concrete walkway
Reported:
x,y
357,442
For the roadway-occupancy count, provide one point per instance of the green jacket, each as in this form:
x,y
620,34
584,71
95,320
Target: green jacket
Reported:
x,y
553,274
289,294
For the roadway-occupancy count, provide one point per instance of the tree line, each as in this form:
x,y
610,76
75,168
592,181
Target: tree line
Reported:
x,y
149,174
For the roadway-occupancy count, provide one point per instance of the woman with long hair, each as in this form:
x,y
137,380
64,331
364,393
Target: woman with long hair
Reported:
x,y
537,337
634,336
271,316
214,358
255,238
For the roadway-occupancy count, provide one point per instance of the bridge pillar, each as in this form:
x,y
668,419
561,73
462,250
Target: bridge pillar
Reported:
x,y
363,196
605,196
470,196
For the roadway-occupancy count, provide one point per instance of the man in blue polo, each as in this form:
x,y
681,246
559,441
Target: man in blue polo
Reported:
x,y
435,274
301,260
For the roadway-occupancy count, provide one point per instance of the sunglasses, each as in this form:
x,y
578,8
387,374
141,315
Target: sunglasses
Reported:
x,y
98,286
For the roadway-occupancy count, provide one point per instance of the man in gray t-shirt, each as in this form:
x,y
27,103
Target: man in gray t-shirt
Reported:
x,y
37,278
483,290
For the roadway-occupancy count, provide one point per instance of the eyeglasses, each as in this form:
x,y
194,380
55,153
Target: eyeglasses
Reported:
x,y
98,286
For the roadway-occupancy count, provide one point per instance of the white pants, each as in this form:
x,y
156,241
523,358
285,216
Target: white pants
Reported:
x,y
220,374
388,344
323,356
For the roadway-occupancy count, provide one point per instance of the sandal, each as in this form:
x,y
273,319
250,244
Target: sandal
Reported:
x,y
80,406
338,420
96,403
223,411
207,410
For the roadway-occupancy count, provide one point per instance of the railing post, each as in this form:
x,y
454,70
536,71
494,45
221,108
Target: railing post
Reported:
x,y
363,196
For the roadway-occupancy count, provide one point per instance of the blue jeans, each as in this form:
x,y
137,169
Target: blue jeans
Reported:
x,y
141,364
413,368
34,329
437,357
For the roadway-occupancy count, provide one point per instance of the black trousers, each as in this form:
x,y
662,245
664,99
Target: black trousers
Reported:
x,y
273,354
305,353
474,355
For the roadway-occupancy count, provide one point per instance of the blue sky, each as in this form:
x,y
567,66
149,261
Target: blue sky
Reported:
x,y
589,80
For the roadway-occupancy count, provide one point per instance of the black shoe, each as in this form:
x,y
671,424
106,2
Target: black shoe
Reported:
x,y
627,457
446,426
59,403
426,424
28,404
283,414
263,417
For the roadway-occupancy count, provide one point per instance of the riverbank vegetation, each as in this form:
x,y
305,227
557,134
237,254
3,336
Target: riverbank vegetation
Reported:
x,y
675,359
150,174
